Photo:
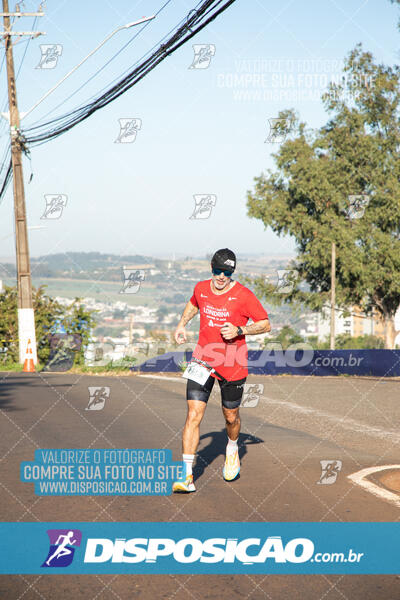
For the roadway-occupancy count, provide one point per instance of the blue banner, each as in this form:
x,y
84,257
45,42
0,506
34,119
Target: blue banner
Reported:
x,y
192,548
103,472
301,361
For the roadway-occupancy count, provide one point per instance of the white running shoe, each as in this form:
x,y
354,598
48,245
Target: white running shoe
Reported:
x,y
231,467
185,485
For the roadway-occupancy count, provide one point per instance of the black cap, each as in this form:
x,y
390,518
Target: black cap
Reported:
x,y
224,259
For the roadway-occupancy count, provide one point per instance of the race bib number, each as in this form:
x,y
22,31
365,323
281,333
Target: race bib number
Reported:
x,y
197,373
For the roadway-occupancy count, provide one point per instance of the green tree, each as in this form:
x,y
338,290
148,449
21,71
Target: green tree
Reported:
x,y
157,336
79,320
47,311
307,196
396,2
344,341
75,319
285,337
318,344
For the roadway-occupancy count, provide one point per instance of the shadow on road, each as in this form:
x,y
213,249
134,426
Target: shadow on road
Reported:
x,y
21,386
7,384
216,447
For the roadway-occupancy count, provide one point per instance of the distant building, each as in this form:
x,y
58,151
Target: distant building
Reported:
x,y
355,325
139,331
311,320
256,342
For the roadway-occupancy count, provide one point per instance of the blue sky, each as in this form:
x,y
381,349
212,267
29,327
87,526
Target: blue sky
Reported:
x,y
203,131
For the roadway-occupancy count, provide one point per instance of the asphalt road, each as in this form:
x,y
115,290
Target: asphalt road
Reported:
x,y
296,423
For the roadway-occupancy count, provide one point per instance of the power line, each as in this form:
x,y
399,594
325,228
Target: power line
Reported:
x,y
5,101
187,28
193,24
115,55
26,48
65,100
6,181
2,62
7,153
27,42
4,158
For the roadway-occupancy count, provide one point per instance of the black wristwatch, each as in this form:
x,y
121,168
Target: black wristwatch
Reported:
x,y
239,331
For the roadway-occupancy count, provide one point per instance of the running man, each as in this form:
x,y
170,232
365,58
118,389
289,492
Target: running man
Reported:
x,y
221,353
62,549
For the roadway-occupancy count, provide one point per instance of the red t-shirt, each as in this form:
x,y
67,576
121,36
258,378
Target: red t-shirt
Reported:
x,y
237,306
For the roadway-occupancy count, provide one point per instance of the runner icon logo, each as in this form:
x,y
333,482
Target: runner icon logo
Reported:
x,y
128,129
203,205
50,55
357,206
330,470
278,130
203,54
97,397
286,280
55,204
132,279
62,547
251,394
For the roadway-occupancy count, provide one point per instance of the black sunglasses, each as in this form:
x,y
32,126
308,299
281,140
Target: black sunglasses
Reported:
x,y
219,271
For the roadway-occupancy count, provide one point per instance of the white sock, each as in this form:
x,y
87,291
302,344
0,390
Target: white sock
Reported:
x,y
188,460
232,446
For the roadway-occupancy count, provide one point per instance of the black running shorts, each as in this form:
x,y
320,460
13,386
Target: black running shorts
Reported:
x,y
231,391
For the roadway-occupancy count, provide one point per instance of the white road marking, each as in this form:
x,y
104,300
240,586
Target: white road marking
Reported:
x,y
167,378
344,422
359,479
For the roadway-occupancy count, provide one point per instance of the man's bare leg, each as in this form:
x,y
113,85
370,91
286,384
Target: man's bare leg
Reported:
x,y
190,442
232,463
191,430
232,420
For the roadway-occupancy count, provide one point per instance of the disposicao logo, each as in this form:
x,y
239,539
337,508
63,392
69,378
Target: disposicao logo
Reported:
x,y
62,547
190,550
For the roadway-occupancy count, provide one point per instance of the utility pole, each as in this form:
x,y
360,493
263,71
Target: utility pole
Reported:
x,y
26,318
333,294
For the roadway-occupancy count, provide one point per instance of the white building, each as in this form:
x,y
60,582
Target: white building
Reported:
x,y
342,324
356,324
311,320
